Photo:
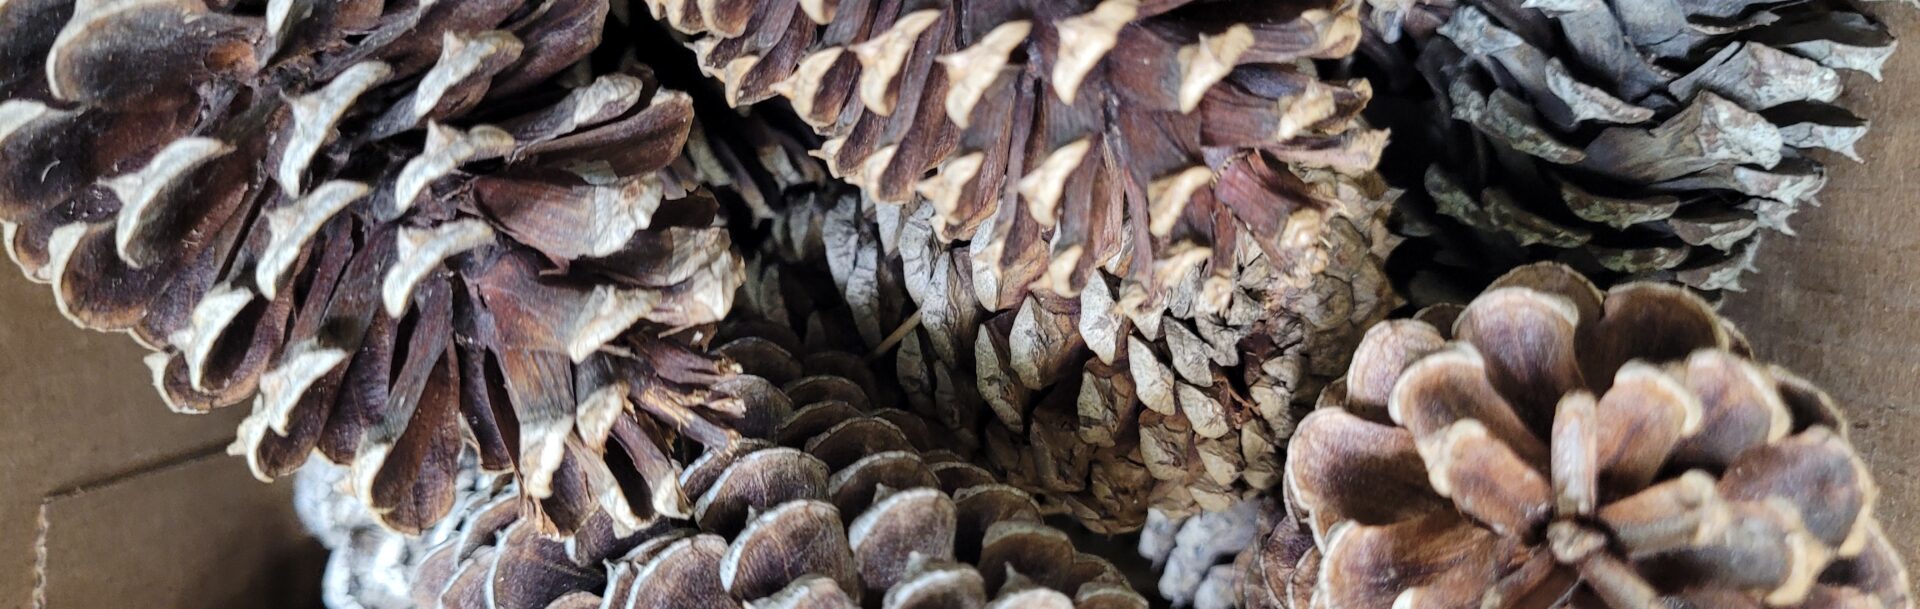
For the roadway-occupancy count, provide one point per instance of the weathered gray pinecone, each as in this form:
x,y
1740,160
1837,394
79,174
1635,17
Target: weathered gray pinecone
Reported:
x,y
1654,139
1550,445
846,503
370,566
1195,555
396,228
1101,415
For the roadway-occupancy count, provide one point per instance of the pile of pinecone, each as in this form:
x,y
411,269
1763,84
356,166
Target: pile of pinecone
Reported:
x,y
921,303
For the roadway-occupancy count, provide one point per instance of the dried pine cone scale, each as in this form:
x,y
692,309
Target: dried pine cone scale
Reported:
x,y
398,230
1627,139
1559,445
845,504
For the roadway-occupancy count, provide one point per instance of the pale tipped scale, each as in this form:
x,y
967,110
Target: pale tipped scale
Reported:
x,y
1168,196
972,71
543,444
286,384
60,249
1204,63
209,322
803,87
16,114
447,148
882,57
944,188
144,194
423,250
316,114
292,228
607,312
1043,187
462,55
1085,40
734,75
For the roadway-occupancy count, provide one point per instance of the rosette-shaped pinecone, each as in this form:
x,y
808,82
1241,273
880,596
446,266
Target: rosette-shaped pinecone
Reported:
x,y
398,229
846,503
1068,142
1556,446
1654,139
1101,413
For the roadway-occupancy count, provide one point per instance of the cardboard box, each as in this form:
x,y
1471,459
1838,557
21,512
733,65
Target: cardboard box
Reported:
x,y
1840,303
112,501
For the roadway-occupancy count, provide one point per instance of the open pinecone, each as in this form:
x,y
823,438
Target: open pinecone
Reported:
x,y
1099,415
1070,142
396,228
1654,139
1563,447
846,503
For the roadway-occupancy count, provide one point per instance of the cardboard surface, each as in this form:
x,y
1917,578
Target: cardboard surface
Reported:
x,y
78,412
1840,303
201,533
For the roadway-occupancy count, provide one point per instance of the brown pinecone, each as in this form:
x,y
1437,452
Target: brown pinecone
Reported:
x,y
1067,139
397,229
1082,166
1100,414
1559,446
1658,139
848,503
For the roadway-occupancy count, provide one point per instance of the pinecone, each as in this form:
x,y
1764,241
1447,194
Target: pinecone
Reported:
x,y
1067,140
1657,139
1564,446
849,504
370,566
1195,555
397,229
1099,414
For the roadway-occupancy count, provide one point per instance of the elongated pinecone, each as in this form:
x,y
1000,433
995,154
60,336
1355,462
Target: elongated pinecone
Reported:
x,y
1560,446
1068,142
1099,414
1653,139
396,228
847,503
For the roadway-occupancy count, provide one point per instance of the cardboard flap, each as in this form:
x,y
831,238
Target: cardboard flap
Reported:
x,y
199,533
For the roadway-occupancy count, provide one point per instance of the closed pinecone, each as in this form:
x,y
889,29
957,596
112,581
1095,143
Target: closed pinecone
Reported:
x,y
1068,142
847,503
397,229
1560,446
1100,414
1654,139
